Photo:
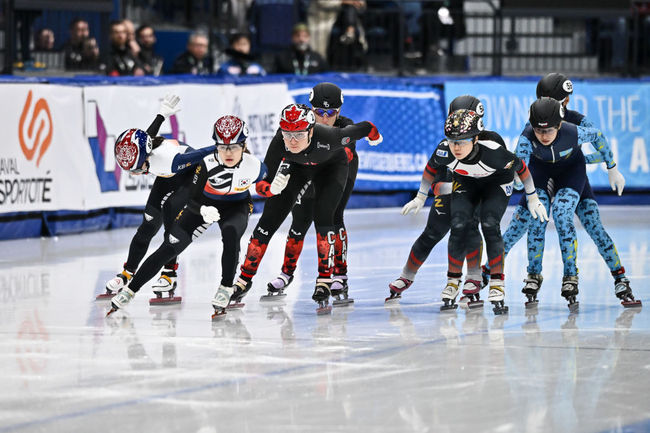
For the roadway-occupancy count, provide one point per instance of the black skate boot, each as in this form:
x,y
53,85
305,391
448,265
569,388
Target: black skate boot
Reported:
x,y
276,288
242,287
533,283
396,288
570,291
322,294
623,292
339,291
485,275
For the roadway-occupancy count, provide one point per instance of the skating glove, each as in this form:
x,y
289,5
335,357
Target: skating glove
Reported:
x,y
210,214
414,205
374,137
616,180
279,183
169,105
536,208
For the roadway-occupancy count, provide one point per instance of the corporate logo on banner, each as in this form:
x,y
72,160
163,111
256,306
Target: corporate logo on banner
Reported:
x,y
35,130
102,148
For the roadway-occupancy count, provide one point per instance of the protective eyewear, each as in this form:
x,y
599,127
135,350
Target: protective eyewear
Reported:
x,y
296,135
545,131
460,143
229,147
142,170
322,112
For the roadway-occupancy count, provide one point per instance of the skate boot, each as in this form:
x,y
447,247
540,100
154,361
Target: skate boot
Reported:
x,y
276,288
533,283
471,290
115,285
570,291
120,300
496,296
396,289
241,288
623,292
339,291
322,294
221,300
165,284
449,294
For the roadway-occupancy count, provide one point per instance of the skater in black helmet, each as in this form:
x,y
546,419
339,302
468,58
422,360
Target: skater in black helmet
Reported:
x,y
439,219
307,152
326,100
483,175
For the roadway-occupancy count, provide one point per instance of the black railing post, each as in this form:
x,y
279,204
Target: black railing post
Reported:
x,y
10,38
400,39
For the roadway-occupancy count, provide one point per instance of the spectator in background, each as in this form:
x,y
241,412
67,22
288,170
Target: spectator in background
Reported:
x,y
131,43
347,45
90,60
195,60
321,16
300,59
240,61
73,47
146,38
44,40
121,61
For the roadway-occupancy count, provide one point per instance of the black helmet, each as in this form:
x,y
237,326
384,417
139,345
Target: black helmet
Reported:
x,y
554,85
462,124
546,113
326,95
467,102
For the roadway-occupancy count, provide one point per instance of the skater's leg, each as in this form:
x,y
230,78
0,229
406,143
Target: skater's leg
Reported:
x,y
537,237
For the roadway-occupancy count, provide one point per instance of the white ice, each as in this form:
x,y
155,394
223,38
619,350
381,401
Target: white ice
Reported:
x,y
64,367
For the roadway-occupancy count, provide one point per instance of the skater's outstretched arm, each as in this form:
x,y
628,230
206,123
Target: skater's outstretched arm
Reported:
x,y
598,141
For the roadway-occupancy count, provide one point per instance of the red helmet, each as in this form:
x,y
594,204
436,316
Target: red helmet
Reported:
x,y
230,130
297,117
132,148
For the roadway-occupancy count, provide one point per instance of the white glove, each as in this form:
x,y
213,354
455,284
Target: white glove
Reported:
x,y
377,141
210,214
536,208
279,183
169,105
414,205
518,185
616,180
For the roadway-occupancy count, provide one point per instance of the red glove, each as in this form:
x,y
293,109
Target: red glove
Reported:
x,y
374,133
349,153
263,188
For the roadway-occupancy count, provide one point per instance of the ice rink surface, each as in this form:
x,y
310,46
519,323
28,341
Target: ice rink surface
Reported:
x,y
64,367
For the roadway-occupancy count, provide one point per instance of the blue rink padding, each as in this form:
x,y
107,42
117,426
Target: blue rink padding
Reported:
x,y
65,222
126,217
16,225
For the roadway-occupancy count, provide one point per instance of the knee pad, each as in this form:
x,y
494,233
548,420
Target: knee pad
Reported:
x,y
151,221
490,224
178,240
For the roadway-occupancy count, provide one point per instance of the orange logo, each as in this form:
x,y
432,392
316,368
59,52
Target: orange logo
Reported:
x,y
36,131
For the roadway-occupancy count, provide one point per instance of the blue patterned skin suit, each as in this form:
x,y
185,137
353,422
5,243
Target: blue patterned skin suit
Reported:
x,y
587,211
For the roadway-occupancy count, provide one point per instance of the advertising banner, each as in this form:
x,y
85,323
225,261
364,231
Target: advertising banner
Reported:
x,y
42,162
620,109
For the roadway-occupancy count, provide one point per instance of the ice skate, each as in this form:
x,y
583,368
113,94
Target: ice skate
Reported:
x,y
339,291
321,295
396,288
166,284
533,283
570,291
449,294
241,288
221,300
120,300
471,296
623,291
114,285
496,296
276,288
